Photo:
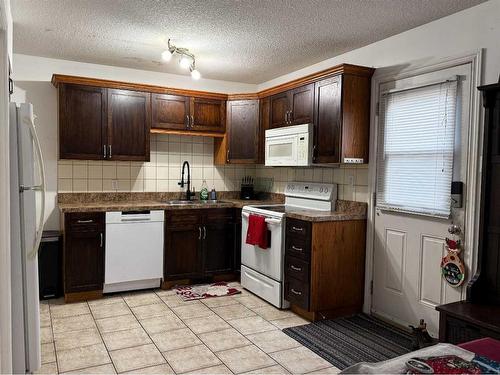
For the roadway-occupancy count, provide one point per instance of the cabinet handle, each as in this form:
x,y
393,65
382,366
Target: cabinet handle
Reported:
x,y
204,232
104,147
297,248
227,156
297,229
101,239
295,268
314,153
109,151
199,235
295,292
192,121
187,121
85,221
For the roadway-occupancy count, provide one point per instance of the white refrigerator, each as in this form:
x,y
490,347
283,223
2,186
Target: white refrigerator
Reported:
x,y
27,217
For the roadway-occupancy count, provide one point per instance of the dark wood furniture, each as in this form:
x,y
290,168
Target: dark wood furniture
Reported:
x,y
83,255
97,123
82,122
198,243
324,267
170,111
241,143
479,315
342,119
292,107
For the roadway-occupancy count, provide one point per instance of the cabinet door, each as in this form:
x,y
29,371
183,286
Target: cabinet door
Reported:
x,y
83,252
129,122
278,110
243,131
264,125
182,251
218,247
328,120
208,115
170,111
302,105
82,122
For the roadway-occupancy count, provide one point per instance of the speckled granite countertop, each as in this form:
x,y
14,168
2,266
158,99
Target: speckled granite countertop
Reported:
x,y
94,202
344,210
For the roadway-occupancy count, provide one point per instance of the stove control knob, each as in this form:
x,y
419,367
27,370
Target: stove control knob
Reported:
x,y
326,190
321,189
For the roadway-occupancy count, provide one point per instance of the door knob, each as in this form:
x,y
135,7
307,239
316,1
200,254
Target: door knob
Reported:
x,y
454,229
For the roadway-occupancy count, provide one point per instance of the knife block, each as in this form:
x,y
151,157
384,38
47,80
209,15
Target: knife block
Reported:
x,y
247,192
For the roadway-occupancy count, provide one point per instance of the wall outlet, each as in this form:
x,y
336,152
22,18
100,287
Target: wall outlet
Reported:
x,y
114,184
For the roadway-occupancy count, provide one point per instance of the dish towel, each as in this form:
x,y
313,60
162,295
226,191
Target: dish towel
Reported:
x,y
257,231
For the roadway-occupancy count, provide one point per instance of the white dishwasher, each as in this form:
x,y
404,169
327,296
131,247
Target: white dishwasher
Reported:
x,y
134,250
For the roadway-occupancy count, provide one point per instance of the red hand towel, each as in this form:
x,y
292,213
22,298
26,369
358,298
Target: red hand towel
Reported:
x,y
257,231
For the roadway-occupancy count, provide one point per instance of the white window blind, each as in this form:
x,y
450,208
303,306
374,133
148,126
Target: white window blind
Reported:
x,y
415,153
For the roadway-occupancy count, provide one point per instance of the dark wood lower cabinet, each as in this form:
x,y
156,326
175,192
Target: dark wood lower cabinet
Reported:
x,y
83,252
324,267
199,243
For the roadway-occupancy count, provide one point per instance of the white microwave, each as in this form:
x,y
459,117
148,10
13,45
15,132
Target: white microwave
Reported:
x,y
289,146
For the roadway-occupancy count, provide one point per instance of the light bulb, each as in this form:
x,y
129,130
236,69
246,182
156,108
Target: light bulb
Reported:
x,y
166,55
195,74
185,62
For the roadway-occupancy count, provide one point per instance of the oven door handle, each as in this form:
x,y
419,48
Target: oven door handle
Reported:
x,y
268,221
273,221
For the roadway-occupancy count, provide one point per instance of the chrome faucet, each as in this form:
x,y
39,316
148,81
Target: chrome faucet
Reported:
x,y
189,194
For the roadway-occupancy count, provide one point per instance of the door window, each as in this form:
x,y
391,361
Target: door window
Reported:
x,y
415,154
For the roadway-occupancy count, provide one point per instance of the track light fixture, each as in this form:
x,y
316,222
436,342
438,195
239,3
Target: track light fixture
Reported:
x,y
186,61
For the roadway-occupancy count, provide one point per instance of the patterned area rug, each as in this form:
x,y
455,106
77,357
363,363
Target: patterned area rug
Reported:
x,y
192,292
346,341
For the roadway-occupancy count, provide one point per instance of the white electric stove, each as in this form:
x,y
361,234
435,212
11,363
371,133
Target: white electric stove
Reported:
x,y
262,269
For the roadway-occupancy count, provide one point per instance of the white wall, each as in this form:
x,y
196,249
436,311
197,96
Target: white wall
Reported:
x,y
466,31
34,68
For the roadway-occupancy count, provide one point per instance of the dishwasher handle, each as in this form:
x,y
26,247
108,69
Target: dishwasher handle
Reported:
x,y
136,219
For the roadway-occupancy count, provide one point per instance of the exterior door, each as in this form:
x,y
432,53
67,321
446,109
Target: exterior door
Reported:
x,y
129,123
409,246
170,111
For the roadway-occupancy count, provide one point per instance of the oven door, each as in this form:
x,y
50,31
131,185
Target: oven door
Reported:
x,y
281,151
268,262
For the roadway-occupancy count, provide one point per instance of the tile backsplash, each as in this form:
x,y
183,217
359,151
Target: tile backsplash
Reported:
x,y
163,171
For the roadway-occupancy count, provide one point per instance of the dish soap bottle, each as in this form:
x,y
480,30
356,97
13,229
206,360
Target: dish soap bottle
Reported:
x,y
204,191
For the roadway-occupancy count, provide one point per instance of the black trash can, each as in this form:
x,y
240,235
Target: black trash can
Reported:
x,y
50,265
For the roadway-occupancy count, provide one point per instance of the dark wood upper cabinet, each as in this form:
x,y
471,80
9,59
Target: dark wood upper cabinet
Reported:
x,y
83,252
170,111
292,107
243,131
208,115
342,119
129,123
328,122
278,110
99,123
82,122
301,105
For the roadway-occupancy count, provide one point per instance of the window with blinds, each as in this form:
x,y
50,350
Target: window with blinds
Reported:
x,y
415,153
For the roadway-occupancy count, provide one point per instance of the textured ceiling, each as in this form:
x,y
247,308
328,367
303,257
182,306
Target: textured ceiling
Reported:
x,y
248,41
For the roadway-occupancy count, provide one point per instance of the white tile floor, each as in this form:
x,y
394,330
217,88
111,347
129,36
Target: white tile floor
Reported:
x,y
155,332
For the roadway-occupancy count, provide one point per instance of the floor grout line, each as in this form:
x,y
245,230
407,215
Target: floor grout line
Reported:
x,y
170,310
